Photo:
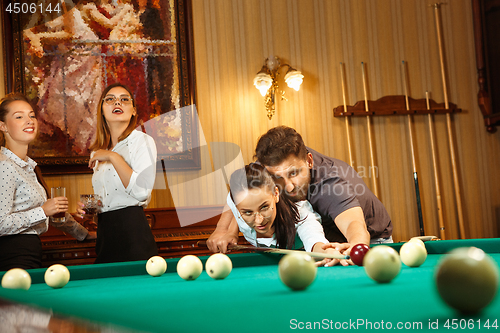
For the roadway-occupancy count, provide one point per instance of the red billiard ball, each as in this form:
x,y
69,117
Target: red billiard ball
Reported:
x,y
358,252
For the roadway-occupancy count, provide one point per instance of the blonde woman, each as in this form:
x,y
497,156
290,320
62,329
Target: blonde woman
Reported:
x,y
24,207
124,164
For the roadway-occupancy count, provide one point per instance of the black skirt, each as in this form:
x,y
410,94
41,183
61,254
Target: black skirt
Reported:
x,y
124,235
20,251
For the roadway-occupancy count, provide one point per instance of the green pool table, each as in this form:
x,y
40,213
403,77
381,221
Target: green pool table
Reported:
x,y
253,299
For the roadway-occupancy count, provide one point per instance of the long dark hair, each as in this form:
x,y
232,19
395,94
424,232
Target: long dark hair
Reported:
x,y
255,176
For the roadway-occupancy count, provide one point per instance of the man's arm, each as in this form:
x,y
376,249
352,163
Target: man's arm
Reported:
x,y
225,233
352,225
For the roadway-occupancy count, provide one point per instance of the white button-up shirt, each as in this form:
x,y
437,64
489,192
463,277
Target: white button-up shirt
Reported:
x,y
139,151
22,197
309,229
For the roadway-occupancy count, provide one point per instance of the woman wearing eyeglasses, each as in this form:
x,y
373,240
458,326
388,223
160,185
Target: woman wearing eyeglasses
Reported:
x,y
268,219
124,163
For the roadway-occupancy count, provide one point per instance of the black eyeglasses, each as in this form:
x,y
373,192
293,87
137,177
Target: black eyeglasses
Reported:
x,y
124,99
265,212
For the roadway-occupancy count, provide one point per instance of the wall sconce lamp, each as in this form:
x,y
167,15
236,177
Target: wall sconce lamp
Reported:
x,y
266,81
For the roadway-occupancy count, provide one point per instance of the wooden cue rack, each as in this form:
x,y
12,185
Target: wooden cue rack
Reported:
x,y
394,105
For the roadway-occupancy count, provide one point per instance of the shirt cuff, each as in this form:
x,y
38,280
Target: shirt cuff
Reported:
x,y
38,214
72,227
131,182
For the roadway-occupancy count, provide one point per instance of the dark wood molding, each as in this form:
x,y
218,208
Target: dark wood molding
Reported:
x,y
172,239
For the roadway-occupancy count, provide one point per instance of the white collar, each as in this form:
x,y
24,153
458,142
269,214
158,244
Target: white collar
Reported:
x,y
7,152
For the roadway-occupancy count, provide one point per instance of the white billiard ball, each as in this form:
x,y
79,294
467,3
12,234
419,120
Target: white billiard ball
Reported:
x,y
297,270
16,278
156,266
189,267
56,276
467,279
413,254
417,241
382,263
218,266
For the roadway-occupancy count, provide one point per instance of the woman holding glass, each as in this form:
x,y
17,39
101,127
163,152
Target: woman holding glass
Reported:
x,y
24,207
124,164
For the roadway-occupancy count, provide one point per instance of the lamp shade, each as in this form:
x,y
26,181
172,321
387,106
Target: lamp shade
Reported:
x,y
293,79
263,82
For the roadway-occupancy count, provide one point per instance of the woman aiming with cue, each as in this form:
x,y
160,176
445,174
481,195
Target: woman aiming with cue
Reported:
x,y
268,219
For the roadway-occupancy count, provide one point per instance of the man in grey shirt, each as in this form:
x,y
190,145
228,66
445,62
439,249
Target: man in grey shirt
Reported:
x,y
351,213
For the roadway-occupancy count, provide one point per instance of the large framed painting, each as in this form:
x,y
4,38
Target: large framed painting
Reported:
x,y
62,54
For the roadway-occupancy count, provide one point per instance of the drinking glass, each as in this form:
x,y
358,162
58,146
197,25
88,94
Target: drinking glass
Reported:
x,y
91,204
58,192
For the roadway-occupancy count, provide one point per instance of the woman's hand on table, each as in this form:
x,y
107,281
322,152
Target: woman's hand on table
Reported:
x,y
220,242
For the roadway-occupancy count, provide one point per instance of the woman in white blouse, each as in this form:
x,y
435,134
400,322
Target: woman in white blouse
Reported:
x,y
268,219
124,163
24,207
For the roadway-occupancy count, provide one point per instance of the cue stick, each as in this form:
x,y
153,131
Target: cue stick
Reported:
x,y
439,33
278,251
434,165
372,155
349,144
412,147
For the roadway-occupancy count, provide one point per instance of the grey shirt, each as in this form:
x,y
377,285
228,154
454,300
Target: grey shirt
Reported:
x,y
335,187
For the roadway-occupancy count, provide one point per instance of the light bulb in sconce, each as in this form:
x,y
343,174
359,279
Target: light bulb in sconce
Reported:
x,y
294,78
263,81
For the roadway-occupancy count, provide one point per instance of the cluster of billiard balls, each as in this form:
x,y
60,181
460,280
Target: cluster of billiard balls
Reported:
x,y
382,263
218,266
56,276
189,267
466,278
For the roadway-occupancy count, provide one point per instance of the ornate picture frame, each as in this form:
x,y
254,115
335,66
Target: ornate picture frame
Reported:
x,y
159,69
